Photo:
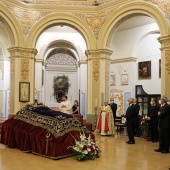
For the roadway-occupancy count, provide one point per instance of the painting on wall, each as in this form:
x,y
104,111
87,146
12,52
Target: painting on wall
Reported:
x,y
124,79
144,70
24,91
159,68
112,80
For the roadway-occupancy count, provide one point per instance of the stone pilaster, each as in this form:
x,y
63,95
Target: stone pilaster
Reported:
x,y
22,69
165,65
98,77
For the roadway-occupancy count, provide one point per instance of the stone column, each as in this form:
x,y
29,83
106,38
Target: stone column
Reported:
x,y
22,69
165,65
98,78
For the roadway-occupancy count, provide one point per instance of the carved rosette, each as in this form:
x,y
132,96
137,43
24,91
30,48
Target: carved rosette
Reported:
x,y
96,67
12,68
167,56
24,69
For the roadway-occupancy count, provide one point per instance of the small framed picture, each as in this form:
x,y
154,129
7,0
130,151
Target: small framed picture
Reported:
x,y
24,91
124,79
112,80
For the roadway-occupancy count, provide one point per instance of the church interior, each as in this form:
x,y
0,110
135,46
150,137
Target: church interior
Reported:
x,y
107,49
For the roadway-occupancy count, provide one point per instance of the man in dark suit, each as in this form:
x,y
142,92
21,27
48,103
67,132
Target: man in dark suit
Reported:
x,y
130,120
164,126
153,120
137,108
113,107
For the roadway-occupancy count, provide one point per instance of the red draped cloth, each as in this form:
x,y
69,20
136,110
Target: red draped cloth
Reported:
x,y
29,138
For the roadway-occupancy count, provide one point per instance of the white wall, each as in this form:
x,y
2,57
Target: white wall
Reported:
x,y
141,44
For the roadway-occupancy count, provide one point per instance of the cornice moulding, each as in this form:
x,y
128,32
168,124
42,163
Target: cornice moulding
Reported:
x,y
129,59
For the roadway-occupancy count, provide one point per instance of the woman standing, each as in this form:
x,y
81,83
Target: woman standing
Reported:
x,y
75,107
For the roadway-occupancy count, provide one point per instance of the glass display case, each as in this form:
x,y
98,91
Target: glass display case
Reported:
x,y
144,99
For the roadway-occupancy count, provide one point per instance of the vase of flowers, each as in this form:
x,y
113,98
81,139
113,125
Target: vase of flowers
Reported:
x,y
85,147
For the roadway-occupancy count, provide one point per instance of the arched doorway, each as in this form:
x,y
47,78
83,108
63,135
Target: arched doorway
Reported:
x,y
61,51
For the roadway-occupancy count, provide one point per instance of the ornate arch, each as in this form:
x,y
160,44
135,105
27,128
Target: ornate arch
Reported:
x,y
58,19
11,25
61,44
128,11
61,56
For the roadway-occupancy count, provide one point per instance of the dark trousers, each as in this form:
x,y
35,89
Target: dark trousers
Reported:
x,y
164,139
131,131
154,131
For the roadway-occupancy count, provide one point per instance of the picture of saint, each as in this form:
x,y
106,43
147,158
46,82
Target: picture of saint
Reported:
x,y
144,70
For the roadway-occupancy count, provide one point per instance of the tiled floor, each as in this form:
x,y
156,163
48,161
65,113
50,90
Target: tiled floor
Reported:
x,y
116,155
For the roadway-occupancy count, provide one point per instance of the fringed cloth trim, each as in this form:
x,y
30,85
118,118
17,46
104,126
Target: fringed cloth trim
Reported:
x,y
58,126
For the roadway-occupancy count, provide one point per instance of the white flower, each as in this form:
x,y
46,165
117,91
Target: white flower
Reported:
x,y
81,146
77,142
88,149
82,137
85,152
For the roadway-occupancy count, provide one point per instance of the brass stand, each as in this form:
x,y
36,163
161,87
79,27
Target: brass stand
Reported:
x,y
95,123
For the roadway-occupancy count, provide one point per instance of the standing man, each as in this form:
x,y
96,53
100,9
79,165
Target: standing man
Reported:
x,y
164,126
113,107
137,108
65,105
130,118
153,120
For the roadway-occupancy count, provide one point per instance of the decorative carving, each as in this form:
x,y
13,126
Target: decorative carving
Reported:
x,y
68,2
167,56
119,98
1,53
95,21
116,91
96,67
24,68
12,68
107,70
61,56
62,44
27,19
2,68
163,4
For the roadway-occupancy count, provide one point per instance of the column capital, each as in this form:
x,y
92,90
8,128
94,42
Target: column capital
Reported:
x,y
98,54
21,52
165,42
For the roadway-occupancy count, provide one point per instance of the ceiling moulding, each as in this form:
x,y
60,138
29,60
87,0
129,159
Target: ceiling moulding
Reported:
x,y
123,60
63,2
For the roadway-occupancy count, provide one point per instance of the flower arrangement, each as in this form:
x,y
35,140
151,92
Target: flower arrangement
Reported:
x,y
85,147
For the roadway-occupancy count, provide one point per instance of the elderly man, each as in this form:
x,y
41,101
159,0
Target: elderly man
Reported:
x,y
164,126
130,118
105,123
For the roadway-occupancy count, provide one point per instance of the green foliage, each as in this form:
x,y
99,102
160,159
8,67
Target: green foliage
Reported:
x,y
61,86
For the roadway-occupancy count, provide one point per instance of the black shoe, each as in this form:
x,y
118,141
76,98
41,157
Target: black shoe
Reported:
x,y
130,142
165,151
158,150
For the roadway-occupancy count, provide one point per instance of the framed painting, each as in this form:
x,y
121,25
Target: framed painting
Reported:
x,y
159,68
124,79
24,91
112,80
144,70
